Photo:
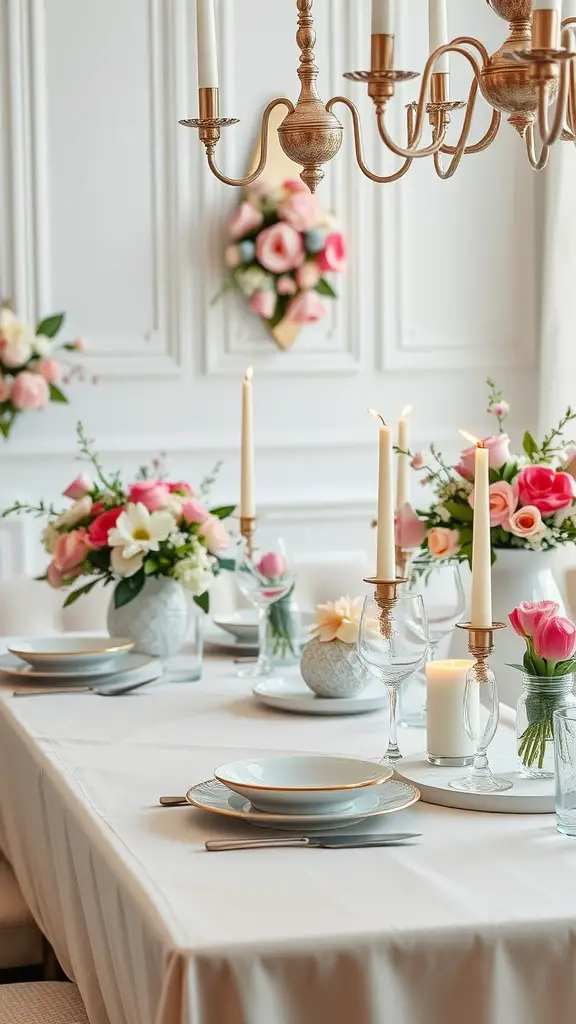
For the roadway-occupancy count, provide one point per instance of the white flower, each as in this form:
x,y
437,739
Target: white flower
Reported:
x,y
16,339
195,571
138,531
254,280
124,567
177,538
42,345
443,513
78,511
50,538
174,506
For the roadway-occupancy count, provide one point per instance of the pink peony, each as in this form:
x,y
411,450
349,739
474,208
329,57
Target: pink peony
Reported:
x,y
498,455
244,220
55,577
333,256
29,391
525,522
263,303
555,639
82,485
101,526
180,487
410,531
70,552
272,565
503,501
280,248
543,487
4,389
528,615
418,461
286,286
300,210
194,512
153,494
308,275
442,542
216,535
49,369
306,308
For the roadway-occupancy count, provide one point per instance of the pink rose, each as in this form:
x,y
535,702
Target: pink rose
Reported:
x,y
49,369
306,308
463,468
180,487
333,256
543,487
153,494
101,526
419,461
410,531
555,639
526,522
4,389
244,220
527,617
263,303
308,275
300,210
503,501
296,185
194,512
70,552
55,577
280,248
272,565
82,485
29,391
442,542
16,354
286,286
216,535
498,455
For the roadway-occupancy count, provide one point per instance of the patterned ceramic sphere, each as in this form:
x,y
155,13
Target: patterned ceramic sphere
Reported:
x,y
333,669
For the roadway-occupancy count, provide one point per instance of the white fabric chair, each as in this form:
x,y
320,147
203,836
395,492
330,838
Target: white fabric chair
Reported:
x,y
20,939
43,1002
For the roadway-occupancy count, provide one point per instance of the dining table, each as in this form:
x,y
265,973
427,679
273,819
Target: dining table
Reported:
x,y
472,923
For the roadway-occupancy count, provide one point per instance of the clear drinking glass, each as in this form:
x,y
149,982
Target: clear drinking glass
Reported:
x,y
481,713
441,589
565,770
264,575
392,644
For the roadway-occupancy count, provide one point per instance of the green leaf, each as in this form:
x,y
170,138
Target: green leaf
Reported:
x,y
73,597
325,288
510,471
493,476
223,512
226,564
564,668
150,566
128,589
519,667
459,511
51,325
529,445
203,602
56,395
100,559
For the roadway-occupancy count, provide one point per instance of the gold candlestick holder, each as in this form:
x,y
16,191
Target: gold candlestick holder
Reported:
x,y
248,529
386,596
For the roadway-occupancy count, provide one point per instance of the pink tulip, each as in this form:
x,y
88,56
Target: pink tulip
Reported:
x,y
280,248
503,500
300,209
555,639
70,552
333,256
306,308
29,391
308,275
82,485
244,220
410,531
442,542
263,303
216,535
272,565
49,369
194,512
153,494
527,617
543,487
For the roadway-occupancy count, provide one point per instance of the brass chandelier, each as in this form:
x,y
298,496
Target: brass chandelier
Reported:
x,y
533,69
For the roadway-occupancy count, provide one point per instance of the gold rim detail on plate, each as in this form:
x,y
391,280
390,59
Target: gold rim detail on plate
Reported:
x,y
387,774
71,654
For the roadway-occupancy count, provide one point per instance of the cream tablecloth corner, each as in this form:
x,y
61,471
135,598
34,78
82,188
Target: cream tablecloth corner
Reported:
x,y
476,924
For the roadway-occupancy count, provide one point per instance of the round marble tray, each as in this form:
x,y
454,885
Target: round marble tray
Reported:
x,y
527,796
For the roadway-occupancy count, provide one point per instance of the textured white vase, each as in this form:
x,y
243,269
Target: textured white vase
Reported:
x,y
157,619
333,669
517,575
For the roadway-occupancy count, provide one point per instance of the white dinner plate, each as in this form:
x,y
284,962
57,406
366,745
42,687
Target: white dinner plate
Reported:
x,y
71,653
391,796
243,625
18,671
292,694
221,641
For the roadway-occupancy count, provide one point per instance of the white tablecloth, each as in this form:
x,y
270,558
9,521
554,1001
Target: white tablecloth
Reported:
x,y
475,924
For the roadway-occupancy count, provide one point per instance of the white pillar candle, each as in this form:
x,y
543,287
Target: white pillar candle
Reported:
x,y
207,48
446,733
386,552
438,32
247,504
403,461
481,599
382,17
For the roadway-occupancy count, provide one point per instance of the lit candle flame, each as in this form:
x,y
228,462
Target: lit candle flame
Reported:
x,y
249,373
405,411
377,415
473,439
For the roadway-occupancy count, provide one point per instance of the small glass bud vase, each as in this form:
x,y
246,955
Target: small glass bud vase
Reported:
x,y
541,697
284,632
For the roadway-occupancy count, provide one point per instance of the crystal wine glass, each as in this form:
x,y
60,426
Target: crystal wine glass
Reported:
x,y
441,588
264,575
392,644
481,712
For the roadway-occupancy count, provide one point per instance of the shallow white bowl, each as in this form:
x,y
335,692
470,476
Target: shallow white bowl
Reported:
x,y
242,624
301,783
71,653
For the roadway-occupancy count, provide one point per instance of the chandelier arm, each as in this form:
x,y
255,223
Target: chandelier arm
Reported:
x,y
379,179
549,135
470,41
264,135
460,148
537,163
410,154
571,112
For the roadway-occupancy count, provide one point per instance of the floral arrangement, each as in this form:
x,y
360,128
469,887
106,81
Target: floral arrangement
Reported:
x,y
29,374
532,494
282,248
338,620
124,535
550,653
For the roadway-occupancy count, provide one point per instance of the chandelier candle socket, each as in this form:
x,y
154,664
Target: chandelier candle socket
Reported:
x,y
386,548
448,743
481,597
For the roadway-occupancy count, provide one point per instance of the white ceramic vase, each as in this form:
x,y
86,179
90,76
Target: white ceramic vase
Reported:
x,y
517,575
157,619
333,669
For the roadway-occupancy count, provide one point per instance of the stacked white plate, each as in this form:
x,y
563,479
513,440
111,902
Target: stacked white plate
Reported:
x,y
302,791
74,661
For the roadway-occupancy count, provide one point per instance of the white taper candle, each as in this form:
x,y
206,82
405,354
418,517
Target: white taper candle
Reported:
x,y
403,460
438,28
386,551
481,599
207,47
382,17
247,503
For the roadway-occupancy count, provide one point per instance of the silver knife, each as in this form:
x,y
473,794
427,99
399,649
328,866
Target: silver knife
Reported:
x,y
331,842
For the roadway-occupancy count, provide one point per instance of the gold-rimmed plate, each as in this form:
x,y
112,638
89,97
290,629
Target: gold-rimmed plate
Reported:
x,y
71,653
16,671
